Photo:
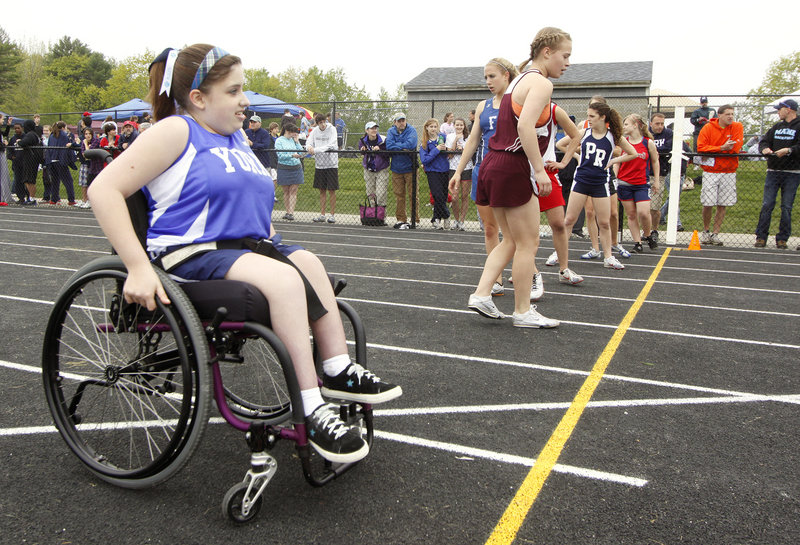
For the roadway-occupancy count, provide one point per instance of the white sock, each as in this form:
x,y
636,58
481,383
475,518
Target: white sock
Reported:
x,y
312,398
335,365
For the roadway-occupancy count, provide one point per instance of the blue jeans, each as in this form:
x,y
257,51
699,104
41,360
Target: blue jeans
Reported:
x,y
787,182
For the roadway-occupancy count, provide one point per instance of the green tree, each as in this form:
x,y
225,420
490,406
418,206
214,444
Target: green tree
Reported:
x,y
399,94
78,72
782,77
25,95
129,79
67,73
315,85
261,81
66,47
10,57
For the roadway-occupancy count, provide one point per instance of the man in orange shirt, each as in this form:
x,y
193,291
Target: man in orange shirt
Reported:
x,y
719,136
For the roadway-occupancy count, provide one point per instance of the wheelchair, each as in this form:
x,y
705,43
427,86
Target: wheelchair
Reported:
x,y
130,390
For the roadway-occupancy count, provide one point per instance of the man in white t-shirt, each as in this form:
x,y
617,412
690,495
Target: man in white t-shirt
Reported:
x,y
322,144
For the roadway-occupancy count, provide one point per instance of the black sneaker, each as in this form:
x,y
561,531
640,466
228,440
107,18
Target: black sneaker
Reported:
x,y
398,225
333,439
637,247
357,384
654,235
652,242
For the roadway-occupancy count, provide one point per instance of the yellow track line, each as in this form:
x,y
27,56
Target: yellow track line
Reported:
x,y
506,530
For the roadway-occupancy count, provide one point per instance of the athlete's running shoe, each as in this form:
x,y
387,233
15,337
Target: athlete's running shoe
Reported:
x,y
552,261
592,254
621,251
537,287
498,290
652,242
533,319
568,277
613,263
485,307
637,247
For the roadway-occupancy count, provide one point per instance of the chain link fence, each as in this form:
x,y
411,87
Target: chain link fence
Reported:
x,y
415,204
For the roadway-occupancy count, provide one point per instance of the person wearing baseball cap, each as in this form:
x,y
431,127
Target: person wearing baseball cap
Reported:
x,y
260,140
402,137
376,165
781,146
788,103
700,117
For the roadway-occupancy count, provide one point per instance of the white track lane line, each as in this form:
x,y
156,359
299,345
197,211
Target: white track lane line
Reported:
x,y
434,282
567,322
407,439
449,251
480,267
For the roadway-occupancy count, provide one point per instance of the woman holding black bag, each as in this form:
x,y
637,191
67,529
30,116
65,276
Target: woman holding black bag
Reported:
x,y
376,166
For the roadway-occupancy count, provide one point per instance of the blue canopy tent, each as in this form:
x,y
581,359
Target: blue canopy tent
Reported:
x,y
15,120
263,104
135,106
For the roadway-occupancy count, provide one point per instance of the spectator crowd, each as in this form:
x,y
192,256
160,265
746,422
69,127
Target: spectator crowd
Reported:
x,y
391,158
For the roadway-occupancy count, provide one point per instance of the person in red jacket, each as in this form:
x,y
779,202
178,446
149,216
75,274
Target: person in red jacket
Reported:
x,y
719,136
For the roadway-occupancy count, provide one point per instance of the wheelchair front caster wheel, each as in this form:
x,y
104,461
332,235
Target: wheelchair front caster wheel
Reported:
x,y
233,504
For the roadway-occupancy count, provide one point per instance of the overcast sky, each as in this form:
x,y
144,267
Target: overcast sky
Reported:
x,y
709,47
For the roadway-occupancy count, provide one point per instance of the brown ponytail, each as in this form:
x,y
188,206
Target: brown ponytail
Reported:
x,y
612,118
186,65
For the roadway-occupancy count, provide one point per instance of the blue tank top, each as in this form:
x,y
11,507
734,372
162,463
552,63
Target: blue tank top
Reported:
x,y
596,153
216,190
488,124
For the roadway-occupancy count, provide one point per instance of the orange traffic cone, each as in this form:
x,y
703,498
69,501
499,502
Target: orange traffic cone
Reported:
x,y
694,243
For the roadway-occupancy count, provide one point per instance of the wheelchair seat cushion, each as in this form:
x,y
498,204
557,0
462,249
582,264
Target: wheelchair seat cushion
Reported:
x,y
243,301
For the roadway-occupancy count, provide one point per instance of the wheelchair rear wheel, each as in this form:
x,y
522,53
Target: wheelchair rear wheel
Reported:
x,y
128,389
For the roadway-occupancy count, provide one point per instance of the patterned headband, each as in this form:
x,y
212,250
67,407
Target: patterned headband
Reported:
x,y
205,67
501,65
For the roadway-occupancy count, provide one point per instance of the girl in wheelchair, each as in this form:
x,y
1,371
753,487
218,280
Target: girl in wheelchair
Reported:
x,y
203,185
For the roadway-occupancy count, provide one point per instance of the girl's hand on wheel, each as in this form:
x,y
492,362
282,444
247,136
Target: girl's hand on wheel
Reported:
x,y
141,287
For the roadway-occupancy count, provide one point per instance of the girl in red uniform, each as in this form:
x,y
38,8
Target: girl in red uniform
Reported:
x,y
632,177
513,173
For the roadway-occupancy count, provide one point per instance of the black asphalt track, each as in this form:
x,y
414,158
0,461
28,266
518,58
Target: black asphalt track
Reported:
x,y
690,437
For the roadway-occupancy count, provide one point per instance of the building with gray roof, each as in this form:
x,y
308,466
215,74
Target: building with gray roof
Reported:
x,y
458,89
